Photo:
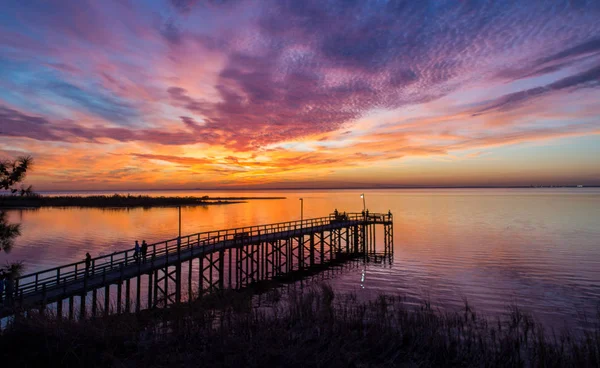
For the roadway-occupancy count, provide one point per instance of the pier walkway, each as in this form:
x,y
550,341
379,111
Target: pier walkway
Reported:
x,y
234,256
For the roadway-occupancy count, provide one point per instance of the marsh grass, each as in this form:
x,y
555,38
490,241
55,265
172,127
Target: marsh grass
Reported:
x,y
314,328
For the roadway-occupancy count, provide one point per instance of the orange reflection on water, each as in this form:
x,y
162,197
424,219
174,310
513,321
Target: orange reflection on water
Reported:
x,y
535,247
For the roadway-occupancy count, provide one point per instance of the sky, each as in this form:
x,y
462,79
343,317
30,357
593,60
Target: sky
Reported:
x,y
123,94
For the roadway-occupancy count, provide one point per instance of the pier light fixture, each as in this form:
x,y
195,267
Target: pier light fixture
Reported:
x,y
301,209
179,237
363,198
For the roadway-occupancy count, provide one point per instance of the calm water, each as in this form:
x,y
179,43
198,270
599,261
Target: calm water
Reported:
x,y
537,248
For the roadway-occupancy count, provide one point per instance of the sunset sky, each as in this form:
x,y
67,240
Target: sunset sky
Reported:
x,y
205,94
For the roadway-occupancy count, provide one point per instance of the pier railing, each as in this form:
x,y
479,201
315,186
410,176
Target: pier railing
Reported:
x,y
59,277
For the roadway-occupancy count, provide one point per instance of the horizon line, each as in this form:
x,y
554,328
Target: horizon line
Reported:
x,y
333,188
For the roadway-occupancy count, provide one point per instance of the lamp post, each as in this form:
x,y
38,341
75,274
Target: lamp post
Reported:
x,y
364,205
301,209
179,207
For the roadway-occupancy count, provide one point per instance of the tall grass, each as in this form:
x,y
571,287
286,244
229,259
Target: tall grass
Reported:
x,y
316,328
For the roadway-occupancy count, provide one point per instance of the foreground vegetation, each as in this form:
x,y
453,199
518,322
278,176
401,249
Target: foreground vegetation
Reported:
x,y
116,200
312,329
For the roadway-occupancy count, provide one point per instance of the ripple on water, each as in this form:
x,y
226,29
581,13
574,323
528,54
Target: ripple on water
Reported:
x,y
537,249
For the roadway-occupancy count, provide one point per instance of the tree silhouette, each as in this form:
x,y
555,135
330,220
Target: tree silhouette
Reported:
x,y
12,173
8,233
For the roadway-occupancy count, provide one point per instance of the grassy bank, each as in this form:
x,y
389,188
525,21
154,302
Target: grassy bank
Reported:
x,y
116,200
313,329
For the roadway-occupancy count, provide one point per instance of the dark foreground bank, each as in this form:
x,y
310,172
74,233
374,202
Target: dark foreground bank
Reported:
x,y
117,200
312,329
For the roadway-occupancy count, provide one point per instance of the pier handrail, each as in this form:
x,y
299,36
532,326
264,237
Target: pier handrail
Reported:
x,y
60,276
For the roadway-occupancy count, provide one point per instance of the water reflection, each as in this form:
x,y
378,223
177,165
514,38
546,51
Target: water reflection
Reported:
x,y
538,248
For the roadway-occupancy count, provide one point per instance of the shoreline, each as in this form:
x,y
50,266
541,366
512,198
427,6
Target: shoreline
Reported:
x,y
120,201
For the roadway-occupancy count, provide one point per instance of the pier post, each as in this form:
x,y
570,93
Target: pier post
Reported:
x,y
59,308
119,289
138,291
178,280
347,239
322,247
106,300
330,244
312,249
155,299
127,293
178,266
300,252
388,230
43,305
229,266
211,266
71,308
94,302
221,270
190,291
276,257
256,262
248,264
355,239
262,260
374,240
166,289
82,300
200,275
290,254
363,240
150,290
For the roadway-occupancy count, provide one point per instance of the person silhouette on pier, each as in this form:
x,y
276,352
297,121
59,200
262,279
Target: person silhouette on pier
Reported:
x,y
136,251
88,262
144,250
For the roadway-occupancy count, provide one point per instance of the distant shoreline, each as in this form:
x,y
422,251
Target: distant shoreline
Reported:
x,y
119,201
313,189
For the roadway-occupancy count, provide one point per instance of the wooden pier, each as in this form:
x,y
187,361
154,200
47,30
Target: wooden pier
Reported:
x,y
185,268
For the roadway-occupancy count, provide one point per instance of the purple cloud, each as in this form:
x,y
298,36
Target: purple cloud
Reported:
x,y
285,69
589,78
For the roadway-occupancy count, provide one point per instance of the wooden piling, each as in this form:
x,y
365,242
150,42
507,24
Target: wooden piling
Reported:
x,y
155,299
94,302
71,308
190,292
106,300
150,290
138,294
119,289
178,283
221,269
312,250
82,311
59,309
127,295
